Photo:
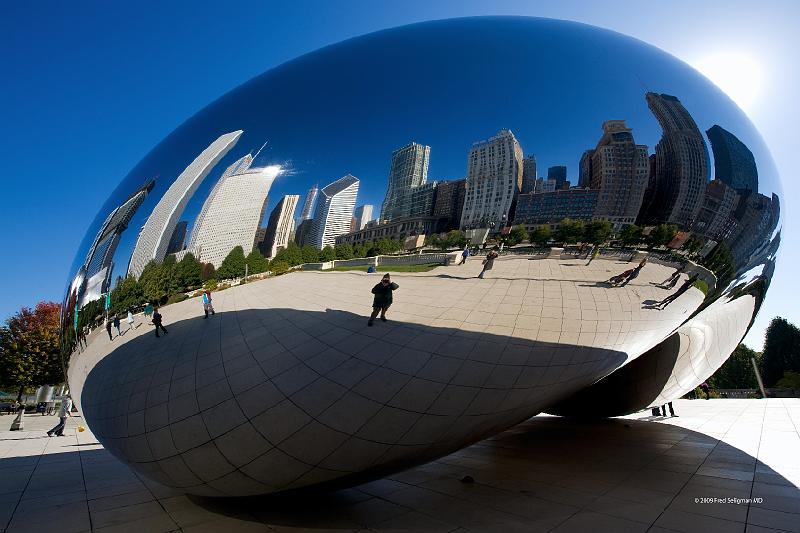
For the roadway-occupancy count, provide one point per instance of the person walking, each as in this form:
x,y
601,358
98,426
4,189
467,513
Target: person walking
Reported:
x,y
116,324
207,306
664,410
157,318
674,296
488,263
464,255
109,324
635,273
673,279
383,298
130,320
593,254
66,410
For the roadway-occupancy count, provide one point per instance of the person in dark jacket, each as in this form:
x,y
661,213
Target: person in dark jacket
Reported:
x,y
488,263
109,325
674,296
157,322
383,298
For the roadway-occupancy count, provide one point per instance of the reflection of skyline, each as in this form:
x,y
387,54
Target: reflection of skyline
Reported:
x,y
151,245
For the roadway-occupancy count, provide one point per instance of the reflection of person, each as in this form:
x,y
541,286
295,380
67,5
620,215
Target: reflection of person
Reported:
x,y
635,274
66,410
673,279
383,298
664,409
488,263
207,306
129,320
593,254
116,324
109,323
157,321
464,255
619,278
674,296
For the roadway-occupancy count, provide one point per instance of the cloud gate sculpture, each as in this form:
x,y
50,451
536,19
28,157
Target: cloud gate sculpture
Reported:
x,y
633,209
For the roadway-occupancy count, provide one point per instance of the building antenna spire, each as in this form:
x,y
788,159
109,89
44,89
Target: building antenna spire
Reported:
x,y
259,150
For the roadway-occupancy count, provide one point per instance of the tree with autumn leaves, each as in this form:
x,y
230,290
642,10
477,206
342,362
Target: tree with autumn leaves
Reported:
x,y
30,349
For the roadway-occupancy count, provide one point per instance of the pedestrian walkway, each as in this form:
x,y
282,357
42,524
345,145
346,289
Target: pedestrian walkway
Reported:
x,y
721,465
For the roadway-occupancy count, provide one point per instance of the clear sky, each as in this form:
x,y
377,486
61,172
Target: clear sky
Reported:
x,y
90,88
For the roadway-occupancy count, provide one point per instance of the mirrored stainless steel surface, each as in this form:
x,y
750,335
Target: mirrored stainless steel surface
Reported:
x,y
651,207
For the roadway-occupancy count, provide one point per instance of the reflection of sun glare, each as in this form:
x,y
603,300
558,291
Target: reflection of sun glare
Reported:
x,y
735,73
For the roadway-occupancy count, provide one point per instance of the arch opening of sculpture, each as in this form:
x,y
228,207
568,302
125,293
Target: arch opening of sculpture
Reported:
x,y
651,215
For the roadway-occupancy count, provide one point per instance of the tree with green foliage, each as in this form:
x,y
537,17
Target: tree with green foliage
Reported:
x,y
188,273
631,235
344,251
310,254
327,254
291,255
128,294
597,231
570,231
720,262
737,372
540,235
256,263
30,348
278,267
662,234
692,245
209,272
781,351
359,251
155,282
233,264
790,380
515,236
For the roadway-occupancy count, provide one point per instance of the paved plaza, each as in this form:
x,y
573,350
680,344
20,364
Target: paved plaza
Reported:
x,y
637,473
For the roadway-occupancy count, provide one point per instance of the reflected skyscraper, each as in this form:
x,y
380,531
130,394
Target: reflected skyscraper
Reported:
x,y
99,260
280,225
529,174
678,182
409,170
559,175
157,230
334,211
308,204
619,170
363,214
734,163
178,237
494,178
232,214
715,219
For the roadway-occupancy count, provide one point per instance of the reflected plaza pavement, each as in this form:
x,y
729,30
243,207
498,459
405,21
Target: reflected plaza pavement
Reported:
x,y
636,473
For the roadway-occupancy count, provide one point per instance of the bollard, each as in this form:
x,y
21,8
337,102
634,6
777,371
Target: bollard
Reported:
x,y
19,423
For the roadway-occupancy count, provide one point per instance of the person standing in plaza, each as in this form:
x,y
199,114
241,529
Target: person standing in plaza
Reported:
x,y
635,273
109,324
704,388
488,263
130,320
157,318
593,254
383,298
664,410
66,410
674,296
464,255
207,306
116,324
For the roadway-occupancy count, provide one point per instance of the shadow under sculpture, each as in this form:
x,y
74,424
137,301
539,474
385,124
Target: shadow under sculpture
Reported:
x,y
265,407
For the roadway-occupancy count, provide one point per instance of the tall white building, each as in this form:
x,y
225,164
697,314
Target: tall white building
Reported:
x,y
232,214
308,204
362,215
494,178
280,225
334,211
157,230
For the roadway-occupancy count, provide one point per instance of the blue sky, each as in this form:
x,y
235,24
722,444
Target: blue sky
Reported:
x,y
96,85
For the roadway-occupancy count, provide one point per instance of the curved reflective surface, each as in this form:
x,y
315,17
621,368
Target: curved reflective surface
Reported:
x,y
652,213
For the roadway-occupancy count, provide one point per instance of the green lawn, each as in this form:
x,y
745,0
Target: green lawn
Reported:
x,y
388,268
